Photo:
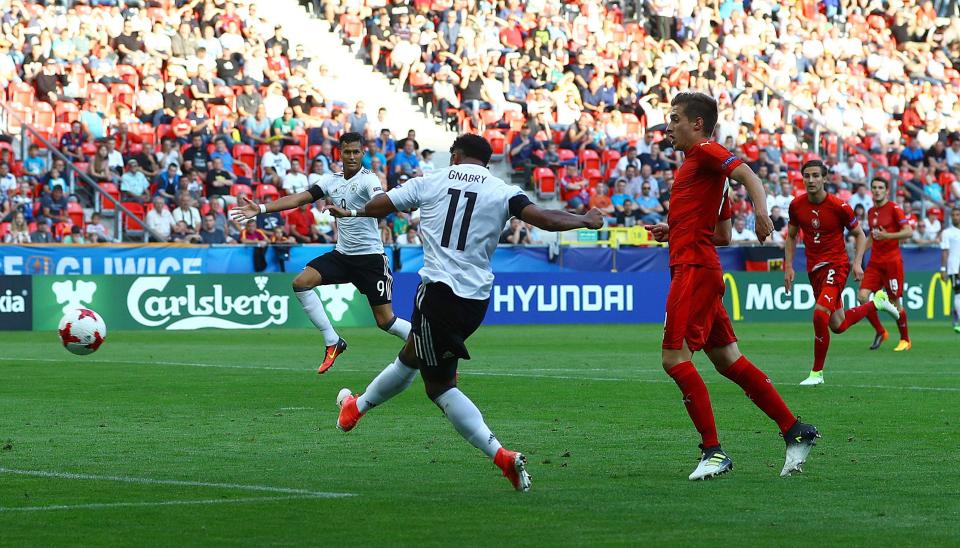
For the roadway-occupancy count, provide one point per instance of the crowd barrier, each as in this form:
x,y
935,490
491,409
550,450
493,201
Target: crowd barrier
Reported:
x,y
255,301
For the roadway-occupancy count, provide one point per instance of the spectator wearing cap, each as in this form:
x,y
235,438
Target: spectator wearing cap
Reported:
x,y
75,236
249,100
133,184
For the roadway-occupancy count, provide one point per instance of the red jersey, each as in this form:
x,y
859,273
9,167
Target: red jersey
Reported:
x,y
695,203
822,225
890,218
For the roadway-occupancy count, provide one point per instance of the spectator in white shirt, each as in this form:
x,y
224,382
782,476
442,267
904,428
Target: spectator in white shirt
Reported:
x,y
187,213
295,180
274,163
953,156
742,235
160,220
851,171
630,159
114,157
784,198
8,182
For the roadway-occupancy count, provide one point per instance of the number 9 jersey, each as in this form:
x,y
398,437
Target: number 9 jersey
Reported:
x,y
357,235
463,209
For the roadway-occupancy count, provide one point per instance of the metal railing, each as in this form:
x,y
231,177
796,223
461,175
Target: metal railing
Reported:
x,y
26,131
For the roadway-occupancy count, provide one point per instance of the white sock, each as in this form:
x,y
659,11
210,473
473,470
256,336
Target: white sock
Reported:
x,y
314,308
394,378
466,418
400,328
956,309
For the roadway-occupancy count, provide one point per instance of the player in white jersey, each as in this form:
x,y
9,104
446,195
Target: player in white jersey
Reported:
x,y
463,209
358,258
950,261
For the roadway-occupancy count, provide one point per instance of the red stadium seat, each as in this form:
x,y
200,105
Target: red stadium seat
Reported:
x,y
545,181
267,190
129,76
99,96
236,189
110,189
610,159
123,93
227,94
131,223
589,159
22,94
75,211
59,129
66,111
320,112
20,115
496,139
245,154
296,152
633,125
312,152
593,176
43,116
164,131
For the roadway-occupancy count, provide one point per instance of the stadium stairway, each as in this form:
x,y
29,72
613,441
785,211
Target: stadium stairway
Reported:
x,y
361,82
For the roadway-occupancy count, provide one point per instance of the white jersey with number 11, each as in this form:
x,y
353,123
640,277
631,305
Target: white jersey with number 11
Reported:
x,y
463,209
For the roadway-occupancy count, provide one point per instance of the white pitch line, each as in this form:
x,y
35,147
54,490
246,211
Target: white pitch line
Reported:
x,y
186,483
497,373
101,505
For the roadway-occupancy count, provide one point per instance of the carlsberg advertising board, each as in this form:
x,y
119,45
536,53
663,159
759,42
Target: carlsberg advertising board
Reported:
x,y
177,303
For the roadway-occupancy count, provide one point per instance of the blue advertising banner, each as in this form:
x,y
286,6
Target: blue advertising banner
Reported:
x,y
562,297
162,259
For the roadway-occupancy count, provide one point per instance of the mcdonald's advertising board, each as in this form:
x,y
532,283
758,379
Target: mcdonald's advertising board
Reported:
x,y
760,297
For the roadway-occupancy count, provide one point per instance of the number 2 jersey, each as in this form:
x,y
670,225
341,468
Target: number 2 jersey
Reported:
x,y
463,209
823,227
357,235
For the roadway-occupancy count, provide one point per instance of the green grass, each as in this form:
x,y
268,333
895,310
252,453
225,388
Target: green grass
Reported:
x,y
608,441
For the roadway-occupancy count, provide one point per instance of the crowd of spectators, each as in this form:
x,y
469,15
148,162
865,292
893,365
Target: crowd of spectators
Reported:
x,y
571,87
202,98
195,98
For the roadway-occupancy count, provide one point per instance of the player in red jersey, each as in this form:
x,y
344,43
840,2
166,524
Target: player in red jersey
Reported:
x,y
696,319
823,218
888,225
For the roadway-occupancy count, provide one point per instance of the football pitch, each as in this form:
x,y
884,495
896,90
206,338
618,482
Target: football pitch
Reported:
x,y
227,438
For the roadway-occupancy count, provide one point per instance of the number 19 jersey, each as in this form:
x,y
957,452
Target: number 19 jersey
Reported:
x,y
463,209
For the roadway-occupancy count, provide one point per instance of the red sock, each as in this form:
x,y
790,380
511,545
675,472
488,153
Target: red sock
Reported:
x,y
758,387
821,338
902,325
874,319
854,315
697,400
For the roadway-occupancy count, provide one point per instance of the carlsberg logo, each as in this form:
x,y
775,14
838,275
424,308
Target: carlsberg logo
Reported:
x,y
186,307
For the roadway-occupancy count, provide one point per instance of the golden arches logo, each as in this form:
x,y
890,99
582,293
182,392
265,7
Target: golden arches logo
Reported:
x,y
734,296
945,290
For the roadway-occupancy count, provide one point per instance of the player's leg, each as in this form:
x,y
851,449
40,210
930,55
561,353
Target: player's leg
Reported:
x,y
872,282
373,278
895,291
955,283
686,320
303,288
394,379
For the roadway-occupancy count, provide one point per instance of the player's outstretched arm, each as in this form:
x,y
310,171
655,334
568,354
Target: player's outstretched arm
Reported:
x,y
744,175
379,206
247,210
558,221
789,250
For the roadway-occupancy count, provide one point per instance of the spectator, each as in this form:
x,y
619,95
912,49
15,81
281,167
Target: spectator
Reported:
x,y
927,231
620,195
324,226
114,157
75,236
295,180
43,234
861,197
575,188
200,123
630,159
742,235
953,156
256,130
169,154
779,224
250,100
50,83
783,199
168,184
8,182
152,106
357,121
95,231
22,201
134,185
253,235
521,152
19,231
210,233
53,206
269,221
648,206
386,144
851,172
196,156
54,179
410,237
602,201
219,182
183,235
406,161
284,127
187,214
426,161
223,153
629,215
300,222
72,142
147,159
160,220
274,164
515,234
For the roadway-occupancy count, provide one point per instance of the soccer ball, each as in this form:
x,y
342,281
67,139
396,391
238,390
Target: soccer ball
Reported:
x,y
82,331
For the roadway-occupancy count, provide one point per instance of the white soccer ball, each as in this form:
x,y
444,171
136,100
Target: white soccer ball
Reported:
x,y
82,331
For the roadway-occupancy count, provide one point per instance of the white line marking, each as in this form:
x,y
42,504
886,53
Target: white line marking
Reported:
x,y
294,408
101,505
152,481
514,374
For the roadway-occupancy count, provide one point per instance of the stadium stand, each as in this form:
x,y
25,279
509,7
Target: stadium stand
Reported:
x,y
565,92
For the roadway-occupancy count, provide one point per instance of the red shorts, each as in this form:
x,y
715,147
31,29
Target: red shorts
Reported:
x,y
884,275
828,282
695,312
